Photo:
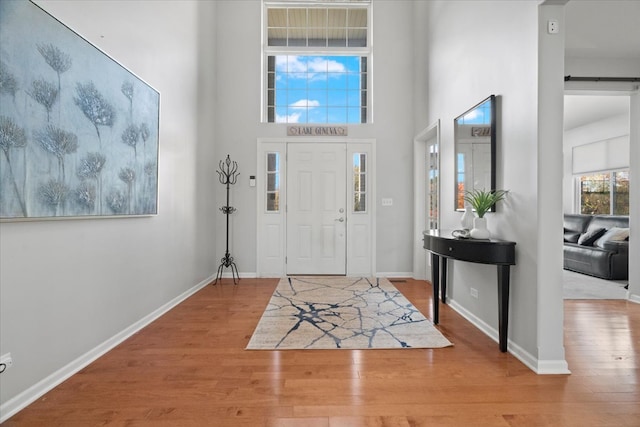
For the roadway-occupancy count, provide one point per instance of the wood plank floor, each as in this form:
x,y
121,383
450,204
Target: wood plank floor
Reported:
x,y
189,368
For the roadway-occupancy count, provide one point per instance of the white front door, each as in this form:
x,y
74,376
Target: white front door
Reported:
x,y
316,209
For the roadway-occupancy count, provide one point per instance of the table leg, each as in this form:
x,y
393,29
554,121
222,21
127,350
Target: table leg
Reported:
x,y
503,305
443,279
435,281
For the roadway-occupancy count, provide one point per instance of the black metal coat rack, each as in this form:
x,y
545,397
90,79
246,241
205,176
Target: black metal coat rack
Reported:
x,y
228,175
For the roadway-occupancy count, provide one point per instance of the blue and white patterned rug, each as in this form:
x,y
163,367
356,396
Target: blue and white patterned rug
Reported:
x,y
342,313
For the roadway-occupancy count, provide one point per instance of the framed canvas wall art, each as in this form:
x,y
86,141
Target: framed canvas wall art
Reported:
x,y
78,131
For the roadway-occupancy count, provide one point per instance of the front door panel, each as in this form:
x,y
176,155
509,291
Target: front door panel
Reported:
x,y
316,218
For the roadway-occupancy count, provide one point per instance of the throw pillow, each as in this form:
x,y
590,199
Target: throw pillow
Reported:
x,y
571,236
615,234
591,236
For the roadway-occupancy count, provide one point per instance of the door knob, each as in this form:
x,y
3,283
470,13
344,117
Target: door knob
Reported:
x,y
341,219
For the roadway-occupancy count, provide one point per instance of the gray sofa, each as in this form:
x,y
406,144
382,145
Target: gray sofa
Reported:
x,y
593,246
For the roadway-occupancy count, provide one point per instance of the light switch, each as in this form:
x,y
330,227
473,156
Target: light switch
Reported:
x,y
387,202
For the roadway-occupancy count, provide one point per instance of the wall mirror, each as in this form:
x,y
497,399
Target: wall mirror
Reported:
x,y
475,150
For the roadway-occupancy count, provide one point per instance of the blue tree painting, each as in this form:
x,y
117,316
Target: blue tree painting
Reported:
x,y
78,132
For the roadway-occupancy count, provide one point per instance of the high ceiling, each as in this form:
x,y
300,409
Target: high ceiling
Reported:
x,y
580,110
600,29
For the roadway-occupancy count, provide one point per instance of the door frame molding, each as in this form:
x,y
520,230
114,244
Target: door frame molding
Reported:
x,y
421,262
270,227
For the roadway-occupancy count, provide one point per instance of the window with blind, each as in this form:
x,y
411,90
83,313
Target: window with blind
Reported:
x,y
601,172
317,62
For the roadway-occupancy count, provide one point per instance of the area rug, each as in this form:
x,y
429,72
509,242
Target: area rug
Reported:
x,y
342,313
582,286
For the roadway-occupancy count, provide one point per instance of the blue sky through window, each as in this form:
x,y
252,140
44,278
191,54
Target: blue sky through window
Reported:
x,y
318,89
478,116
460,167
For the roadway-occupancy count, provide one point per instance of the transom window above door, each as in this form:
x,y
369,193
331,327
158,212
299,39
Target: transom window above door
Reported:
x,y
316,59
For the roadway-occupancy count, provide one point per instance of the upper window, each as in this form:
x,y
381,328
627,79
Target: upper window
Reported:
x,y
316,59
307,26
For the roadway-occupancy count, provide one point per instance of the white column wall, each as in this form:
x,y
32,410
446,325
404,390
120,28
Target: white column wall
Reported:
x,y
550,304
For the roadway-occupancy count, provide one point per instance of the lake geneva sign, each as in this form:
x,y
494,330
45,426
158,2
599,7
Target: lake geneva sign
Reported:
x,y
317,130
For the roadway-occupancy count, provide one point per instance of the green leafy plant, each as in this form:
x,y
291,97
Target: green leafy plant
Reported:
x,y
482,200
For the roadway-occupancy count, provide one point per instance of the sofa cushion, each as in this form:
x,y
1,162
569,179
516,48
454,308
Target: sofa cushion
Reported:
x,y
576,222
615,234
591,236
608,261
571,236
609,221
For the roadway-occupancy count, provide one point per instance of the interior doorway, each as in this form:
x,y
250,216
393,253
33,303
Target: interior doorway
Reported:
x,y
426,197
596,145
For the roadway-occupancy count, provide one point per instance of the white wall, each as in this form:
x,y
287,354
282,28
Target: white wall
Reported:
x,y
68,286
238,115
477,49
550,304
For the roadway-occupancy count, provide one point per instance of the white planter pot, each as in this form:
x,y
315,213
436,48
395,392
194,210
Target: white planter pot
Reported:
x,y
480,230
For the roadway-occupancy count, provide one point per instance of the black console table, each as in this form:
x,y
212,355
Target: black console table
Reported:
x,y
443,245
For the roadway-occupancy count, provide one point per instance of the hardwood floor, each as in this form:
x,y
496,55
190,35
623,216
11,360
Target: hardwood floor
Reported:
x,y
189,368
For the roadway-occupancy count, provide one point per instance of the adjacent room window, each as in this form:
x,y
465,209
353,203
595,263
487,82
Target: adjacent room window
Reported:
x,y
317,63
359,182
273,182
604,193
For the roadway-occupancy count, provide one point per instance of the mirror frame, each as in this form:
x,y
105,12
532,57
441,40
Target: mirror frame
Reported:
x,y
456,137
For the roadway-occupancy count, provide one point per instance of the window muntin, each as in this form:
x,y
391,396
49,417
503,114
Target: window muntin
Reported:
x,y
359,182
316,89
273,182
316,59
604,193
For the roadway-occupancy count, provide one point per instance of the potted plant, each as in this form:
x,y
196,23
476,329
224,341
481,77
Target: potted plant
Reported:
x,y
482,201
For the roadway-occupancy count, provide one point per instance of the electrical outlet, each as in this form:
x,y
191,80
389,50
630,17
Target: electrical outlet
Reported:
x,y
553,27
473,292
6,360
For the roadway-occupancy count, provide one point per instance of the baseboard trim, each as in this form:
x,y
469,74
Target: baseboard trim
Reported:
x,y
228,275
395,274
30,395
634,298
544,367
553,367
